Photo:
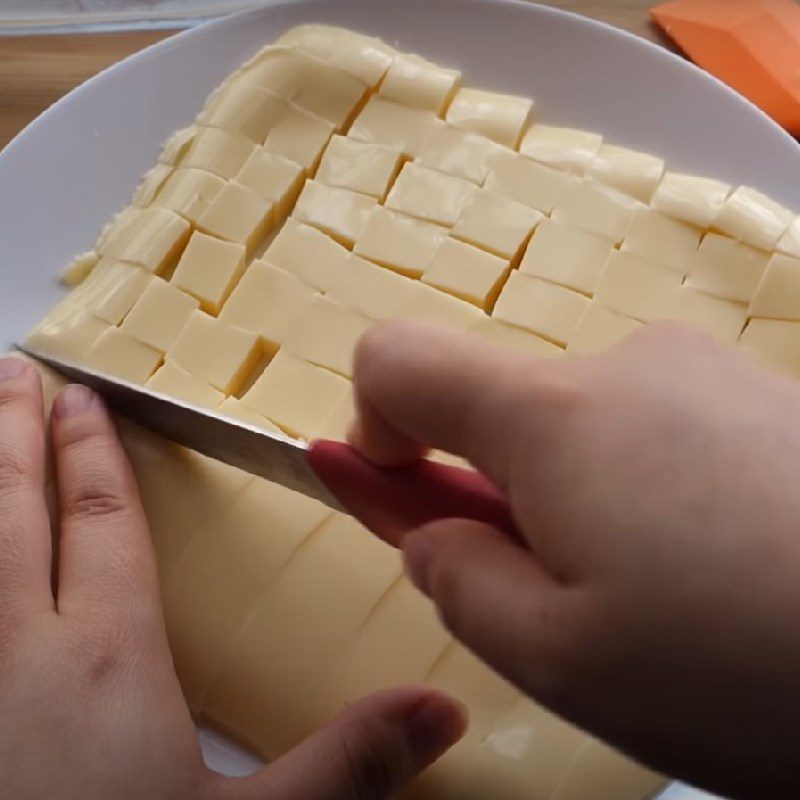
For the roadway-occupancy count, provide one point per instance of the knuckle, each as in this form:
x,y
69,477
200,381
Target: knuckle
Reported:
x,y
98,503
369,768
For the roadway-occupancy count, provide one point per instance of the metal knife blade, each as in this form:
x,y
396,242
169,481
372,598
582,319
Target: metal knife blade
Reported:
x,y
268,455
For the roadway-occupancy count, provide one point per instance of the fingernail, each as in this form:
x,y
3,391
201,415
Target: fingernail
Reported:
x,y
417,553
436,724
11,368
74,400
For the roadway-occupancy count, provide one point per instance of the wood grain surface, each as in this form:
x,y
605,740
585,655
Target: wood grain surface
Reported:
x,y
36,70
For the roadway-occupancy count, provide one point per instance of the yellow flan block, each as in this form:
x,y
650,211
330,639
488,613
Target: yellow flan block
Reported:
x,y
208,269
561,148
662,240
598,209
628,285
217,151
325,333
467,273
600,329
778,293
151,184
690,198
726,268
340,213
295,394
79,268
634,173
118,222
722,319
175,381
429,194
499,117
459,153
113,287
174,149
790,241
235,409
774,344
753,218
521,179
158,316
431,305
400,243
266,301
245,109
238,214
312,256
121,355
216,352
496,224
299,136
562,254
544,308
400,127
359,166
189,192
275,178
336,422
413,81
149,237
69,335
513,338
373,291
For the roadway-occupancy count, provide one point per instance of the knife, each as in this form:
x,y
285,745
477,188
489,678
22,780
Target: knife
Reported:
x,y
390,501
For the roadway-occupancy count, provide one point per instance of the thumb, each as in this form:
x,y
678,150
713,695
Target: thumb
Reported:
x,y
368,752
495,598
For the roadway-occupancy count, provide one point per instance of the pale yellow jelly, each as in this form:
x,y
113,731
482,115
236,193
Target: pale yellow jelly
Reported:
x,y
400,127
527,182
158,316
778,293
176,146
413,81
400,243
562,254
235,409
113,287
275,178
598,209
429,194
773,343
726,268
309,254
299,136
499,117
266,301
599,329
337,421
340,213
209,269
690,198
238,214
79,268
121,355
217,151
721,318
359,166
561,148
150,185
149,237
70,336
295,394
628,284
634,173
216,352
247,110
325,333
544,308
431,305
467,273
662,240
513,338
496,224
189,192
459,153
753,218
173,380
790,241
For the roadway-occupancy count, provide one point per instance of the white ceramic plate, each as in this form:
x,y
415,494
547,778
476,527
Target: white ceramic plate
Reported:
x,y
64,175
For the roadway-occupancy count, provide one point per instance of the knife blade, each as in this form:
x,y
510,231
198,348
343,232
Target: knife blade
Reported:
x,y
267,454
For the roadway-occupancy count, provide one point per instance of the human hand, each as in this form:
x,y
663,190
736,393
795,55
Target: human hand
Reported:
x,y
655,598
89,703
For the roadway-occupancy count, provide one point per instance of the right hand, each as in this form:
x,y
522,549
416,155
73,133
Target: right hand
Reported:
x,y
656,599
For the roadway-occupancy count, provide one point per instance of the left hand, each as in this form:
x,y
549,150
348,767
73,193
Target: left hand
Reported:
x,y
90,706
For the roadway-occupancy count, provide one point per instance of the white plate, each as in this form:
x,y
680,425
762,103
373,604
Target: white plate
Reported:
x,y
64,175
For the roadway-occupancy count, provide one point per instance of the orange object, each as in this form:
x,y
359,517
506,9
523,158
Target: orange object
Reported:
x,y
752,45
